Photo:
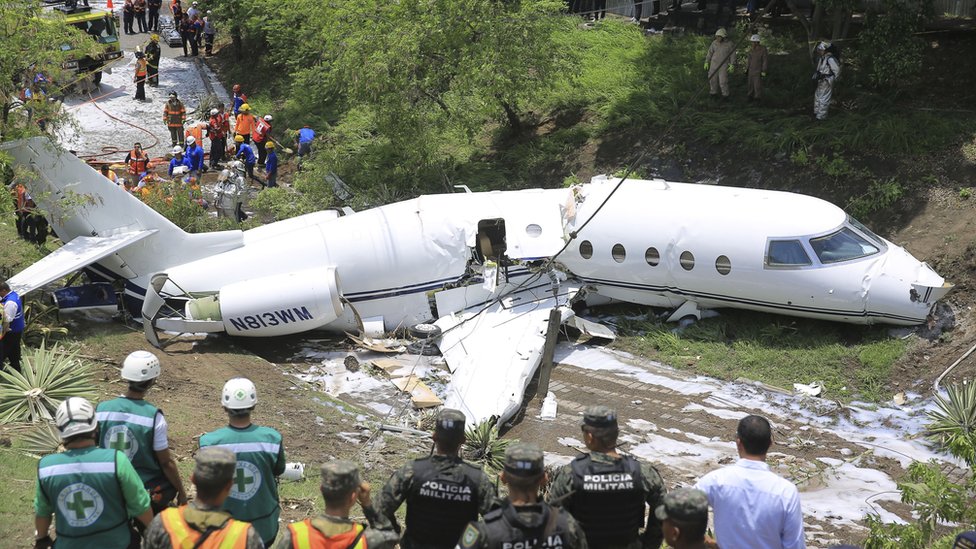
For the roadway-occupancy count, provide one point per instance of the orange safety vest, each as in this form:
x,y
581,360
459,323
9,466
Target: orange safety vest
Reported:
x,y
141,65
233,535
197,132
244,124
137,162
261,131
174,118
306,536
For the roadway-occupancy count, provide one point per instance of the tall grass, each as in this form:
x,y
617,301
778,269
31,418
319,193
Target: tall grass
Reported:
x,y
776,351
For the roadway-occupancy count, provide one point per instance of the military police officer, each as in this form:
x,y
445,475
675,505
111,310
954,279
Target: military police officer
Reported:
x,y
202,524
92,491
139,430
341,489
684,518
260,459
606,492
443,492
523,520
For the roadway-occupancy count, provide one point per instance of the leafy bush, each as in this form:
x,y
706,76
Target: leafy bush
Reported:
x,y
890,51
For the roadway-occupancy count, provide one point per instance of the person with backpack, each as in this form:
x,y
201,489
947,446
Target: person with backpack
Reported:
x,y
828,70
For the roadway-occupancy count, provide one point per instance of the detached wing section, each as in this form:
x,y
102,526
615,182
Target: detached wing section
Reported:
x,y
494,351
80,252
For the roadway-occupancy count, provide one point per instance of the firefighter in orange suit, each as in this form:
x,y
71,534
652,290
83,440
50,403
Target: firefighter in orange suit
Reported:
x,y
201,523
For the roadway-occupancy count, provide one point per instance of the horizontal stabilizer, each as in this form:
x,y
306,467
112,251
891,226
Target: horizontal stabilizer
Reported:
x,y
80,252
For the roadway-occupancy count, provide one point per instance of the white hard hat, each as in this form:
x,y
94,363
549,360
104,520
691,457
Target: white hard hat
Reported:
x,y
239,394
75,416
754,38
224,175
213,111
268,117
191,140
140,366
721,32
823,45
177,150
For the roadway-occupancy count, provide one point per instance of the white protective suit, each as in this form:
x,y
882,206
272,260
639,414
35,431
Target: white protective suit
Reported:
x,y
229,193
828,69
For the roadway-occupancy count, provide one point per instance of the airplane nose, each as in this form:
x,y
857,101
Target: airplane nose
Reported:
x,y
904,289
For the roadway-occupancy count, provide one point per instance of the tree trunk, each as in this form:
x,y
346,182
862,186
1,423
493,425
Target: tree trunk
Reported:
x,y
818,13
235,36
6,117
514,122
841,16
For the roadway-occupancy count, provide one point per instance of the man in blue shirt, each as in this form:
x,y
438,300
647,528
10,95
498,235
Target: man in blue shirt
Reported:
x,y
178,160
12,328
271,165
245,153
194,155
305,137
754,508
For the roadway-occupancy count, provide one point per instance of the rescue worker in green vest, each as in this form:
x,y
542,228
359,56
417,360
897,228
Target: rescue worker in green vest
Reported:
x,y
523,520
139,430
443,492
260,460
341,489
606,492
92,491
202,524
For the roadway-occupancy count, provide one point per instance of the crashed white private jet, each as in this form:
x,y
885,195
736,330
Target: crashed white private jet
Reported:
x,y
486,268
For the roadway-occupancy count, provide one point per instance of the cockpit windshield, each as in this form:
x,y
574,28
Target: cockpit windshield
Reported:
x,y
866,231
843,245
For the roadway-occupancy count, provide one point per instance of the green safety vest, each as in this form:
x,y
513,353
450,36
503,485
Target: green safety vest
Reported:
x,y
127,425
83,487
254,494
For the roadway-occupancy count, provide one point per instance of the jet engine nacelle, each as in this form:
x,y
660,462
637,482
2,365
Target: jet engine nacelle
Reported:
x,y
274,305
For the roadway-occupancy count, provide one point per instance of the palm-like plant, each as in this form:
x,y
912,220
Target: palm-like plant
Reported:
x,y
47,377
42,440
483,445
953,423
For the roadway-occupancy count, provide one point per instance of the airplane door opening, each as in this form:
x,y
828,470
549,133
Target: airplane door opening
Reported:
x,y
491,240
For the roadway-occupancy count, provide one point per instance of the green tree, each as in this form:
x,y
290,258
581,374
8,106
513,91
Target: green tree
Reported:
x,y
890,52
33,41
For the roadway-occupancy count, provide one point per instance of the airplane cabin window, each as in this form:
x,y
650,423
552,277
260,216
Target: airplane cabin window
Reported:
x,y
533,229
843,245
586,249
652,257
723,265
786,253
619,253
687,260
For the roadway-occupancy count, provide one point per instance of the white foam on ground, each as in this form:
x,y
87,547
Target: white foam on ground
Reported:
x,y
95,129
332,374
590,358
724,414
848,490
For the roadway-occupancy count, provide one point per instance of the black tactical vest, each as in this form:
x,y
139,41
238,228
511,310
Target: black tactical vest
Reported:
x,y
608,500
441,503
505,529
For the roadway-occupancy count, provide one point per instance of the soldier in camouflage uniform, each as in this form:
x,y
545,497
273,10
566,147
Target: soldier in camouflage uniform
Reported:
x,y
523,520
684,518
606,492
443,492
341,489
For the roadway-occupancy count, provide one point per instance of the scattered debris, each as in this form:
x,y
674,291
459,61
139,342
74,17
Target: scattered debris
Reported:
x,y
813,389
549,406
351,363
420,394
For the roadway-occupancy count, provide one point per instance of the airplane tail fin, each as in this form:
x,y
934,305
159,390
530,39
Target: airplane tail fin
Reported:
x,y
79,202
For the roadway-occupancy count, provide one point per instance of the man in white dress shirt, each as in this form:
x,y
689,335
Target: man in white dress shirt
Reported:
x,y
754,508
